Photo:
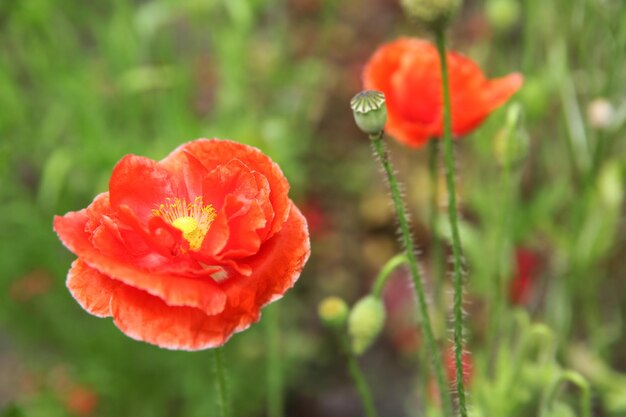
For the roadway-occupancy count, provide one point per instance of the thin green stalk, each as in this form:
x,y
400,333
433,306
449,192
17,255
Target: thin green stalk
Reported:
x,y
454,226
221,383
359,380
274,370
502,249
574,378
409,246
433,219
386,271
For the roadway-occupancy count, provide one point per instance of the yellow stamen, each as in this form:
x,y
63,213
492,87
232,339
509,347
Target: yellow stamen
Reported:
x,y
193,219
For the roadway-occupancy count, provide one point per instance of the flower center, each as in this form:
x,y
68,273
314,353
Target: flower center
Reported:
x,y
193,219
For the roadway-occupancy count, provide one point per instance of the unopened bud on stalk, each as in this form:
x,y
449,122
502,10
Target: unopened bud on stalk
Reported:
x,y
333,312
503,14
435,14
365,323
370,111
510,145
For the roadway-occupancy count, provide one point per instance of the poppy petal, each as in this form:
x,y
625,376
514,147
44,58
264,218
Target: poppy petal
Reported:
x,y
146,318
408,72
275,268
213,152
90,288
141,184
173,289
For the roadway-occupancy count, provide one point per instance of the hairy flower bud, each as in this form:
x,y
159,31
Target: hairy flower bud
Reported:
x,y
370,111
365,323
333,311
433,13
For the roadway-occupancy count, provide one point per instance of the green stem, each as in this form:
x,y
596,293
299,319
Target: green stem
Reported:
x,y
409,246
576,379
386,271
359,380
437,247
502,250
274,369
454,226
221,383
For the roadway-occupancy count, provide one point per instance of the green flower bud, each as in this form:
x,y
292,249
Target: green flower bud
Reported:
x,y
333,312
365,323
370,111
435,14
503,14
511,144
536,97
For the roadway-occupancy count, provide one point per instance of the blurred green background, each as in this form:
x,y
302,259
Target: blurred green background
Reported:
x,y
84,83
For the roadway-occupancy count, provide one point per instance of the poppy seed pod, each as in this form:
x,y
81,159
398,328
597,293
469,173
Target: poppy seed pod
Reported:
x,y
370,111
365,323
333,311
433,13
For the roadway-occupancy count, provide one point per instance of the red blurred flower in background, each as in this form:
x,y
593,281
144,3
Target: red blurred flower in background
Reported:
x,y
527,264
184,252
408,72
33,284
81,401
467,364
450,367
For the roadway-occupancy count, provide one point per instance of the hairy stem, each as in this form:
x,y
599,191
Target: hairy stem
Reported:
x,y
454,226
409,246
433,218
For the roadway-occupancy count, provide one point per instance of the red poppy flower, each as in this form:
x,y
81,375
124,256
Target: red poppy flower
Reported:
x,y
408,72
184,252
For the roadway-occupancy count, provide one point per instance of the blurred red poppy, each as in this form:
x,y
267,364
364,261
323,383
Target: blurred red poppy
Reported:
x,y
33,284
408,72
527,263
467,362
81,401
450,367
184,252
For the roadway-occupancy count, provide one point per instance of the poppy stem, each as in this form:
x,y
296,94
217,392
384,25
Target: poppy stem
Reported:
x,y
359,379
457,250
221,383
274,369
437,248
385,272
409,247
574,378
